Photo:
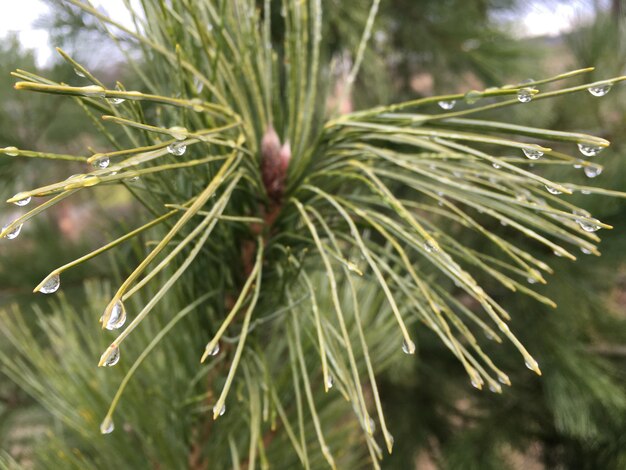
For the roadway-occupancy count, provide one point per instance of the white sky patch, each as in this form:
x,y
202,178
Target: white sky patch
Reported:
x,y
19,16
553,19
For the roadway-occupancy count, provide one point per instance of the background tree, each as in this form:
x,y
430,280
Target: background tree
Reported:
x,y
288,418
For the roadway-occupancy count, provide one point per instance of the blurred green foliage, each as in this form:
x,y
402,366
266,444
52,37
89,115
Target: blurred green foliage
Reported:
x,y
572,417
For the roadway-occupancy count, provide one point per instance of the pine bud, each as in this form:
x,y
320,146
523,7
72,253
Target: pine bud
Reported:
x,y
274,163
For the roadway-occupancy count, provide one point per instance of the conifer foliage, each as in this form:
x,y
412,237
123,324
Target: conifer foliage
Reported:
x,y
298,250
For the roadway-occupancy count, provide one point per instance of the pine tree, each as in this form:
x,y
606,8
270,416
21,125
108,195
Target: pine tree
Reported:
x,y
300,251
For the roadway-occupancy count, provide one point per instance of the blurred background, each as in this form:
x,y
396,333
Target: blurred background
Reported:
x,y
572,417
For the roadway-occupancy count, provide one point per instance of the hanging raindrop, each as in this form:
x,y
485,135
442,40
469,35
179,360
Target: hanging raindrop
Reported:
x,y
117,101
93,90
113,357
496,165
431,246
177,149
330,381
552,190
118,316
531,363
477,383
11,151
79,73
504,379
13,233
578,164
472,96
22,200
107,426
588,227
197,105
102,163
372,425
589,150
585,251
221,412
592,171
51,284
215,351
531,153
408,347
495,388
599,90
447,105
524,95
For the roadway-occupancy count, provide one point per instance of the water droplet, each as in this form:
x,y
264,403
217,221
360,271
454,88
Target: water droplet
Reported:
x,y
552,190
489,336
179,133
496,165
592,171
93,90
588,226
132,179
408,347
51,284
13,233
197,105
221,411
531,280
532,153
578,164
113,357
431,246
330,381
524,95
531,363
599,90
527,81
477,383
79,73
585,251
504,379
102,162
372,425
11,151
116,101
589,150
107,426
558,254
215,351
22,201
177,149
472,96
447,105
585,191
118,316
495,388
